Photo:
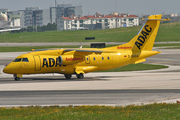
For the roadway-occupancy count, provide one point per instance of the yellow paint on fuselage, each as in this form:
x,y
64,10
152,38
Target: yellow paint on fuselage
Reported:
x,y
95,62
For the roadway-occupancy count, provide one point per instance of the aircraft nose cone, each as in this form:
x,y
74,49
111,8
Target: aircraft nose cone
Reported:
x,y
5,70
12,68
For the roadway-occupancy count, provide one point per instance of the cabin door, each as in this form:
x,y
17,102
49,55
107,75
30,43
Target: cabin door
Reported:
x,y
37,63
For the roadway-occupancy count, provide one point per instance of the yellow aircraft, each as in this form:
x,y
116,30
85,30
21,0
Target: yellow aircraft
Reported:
x,y
84,60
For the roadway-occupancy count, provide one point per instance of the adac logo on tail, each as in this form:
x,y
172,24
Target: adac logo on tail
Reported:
x,y
143,36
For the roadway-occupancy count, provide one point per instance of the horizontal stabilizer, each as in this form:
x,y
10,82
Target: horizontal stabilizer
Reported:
x,y
167,19
6,30
139,61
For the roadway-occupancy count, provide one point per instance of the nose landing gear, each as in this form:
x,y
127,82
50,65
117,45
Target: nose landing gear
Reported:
x,y
67,76
16,78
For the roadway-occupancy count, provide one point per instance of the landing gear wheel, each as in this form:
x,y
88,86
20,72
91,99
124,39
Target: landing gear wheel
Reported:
x,y
67,76
80,76
17,78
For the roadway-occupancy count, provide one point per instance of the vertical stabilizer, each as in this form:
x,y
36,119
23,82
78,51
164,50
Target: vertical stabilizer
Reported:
x,y
147,35
145,38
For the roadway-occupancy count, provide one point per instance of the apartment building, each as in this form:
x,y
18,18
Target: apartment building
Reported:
x,y
27,16
41,17
34,16
72,23
64,10
97,21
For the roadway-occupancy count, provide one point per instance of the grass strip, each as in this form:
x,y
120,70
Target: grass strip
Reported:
x,y
136,67
28,48
167,44
154,111
173,47
167,32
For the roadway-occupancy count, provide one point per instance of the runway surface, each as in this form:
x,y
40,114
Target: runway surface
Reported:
x,y
116,88
86,97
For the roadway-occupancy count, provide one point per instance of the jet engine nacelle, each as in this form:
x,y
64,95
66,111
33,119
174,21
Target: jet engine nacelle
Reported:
x,y
69,59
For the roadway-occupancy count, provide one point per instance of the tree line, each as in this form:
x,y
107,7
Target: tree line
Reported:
x,y
48,27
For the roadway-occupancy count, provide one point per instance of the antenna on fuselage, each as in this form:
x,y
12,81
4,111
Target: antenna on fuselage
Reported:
x,y
80,46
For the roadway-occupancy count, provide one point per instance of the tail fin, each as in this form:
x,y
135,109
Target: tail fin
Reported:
x,y
145,38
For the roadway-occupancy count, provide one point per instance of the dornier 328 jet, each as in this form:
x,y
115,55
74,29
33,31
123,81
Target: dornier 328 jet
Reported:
x,y
84,60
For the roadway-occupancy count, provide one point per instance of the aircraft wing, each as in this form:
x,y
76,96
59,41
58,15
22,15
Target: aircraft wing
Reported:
x,y
5,30
86,51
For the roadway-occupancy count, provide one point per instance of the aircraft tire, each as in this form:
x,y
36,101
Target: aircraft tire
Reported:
x,y
17,78
80,76
67,76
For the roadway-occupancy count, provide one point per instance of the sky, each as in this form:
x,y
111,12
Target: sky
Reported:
x,y
89,7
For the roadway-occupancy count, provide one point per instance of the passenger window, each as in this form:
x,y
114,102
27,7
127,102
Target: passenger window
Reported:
x,y
25,60
94,58
102,58
17,60
108,58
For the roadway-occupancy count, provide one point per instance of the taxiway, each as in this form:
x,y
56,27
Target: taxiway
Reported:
x,y
115,88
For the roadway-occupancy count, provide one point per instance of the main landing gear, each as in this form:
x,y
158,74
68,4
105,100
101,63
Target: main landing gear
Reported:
x,y
67,76
79,76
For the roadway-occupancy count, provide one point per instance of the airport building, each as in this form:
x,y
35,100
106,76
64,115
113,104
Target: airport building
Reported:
x,y
97,21
14,17
9,19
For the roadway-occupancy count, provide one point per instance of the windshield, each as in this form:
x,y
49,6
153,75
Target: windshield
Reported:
x,y
25,60
17,60
21,59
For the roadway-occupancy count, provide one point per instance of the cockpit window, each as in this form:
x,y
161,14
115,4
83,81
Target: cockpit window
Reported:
x,y
25,60
17,60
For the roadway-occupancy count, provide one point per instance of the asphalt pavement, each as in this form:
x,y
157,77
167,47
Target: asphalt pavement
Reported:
x,y
115,88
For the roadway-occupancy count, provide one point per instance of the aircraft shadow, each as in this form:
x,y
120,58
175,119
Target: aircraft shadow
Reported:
x,y
50,79
99,78
57,79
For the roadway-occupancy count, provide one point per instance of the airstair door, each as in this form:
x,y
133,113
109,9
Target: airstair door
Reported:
x,y
37,63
